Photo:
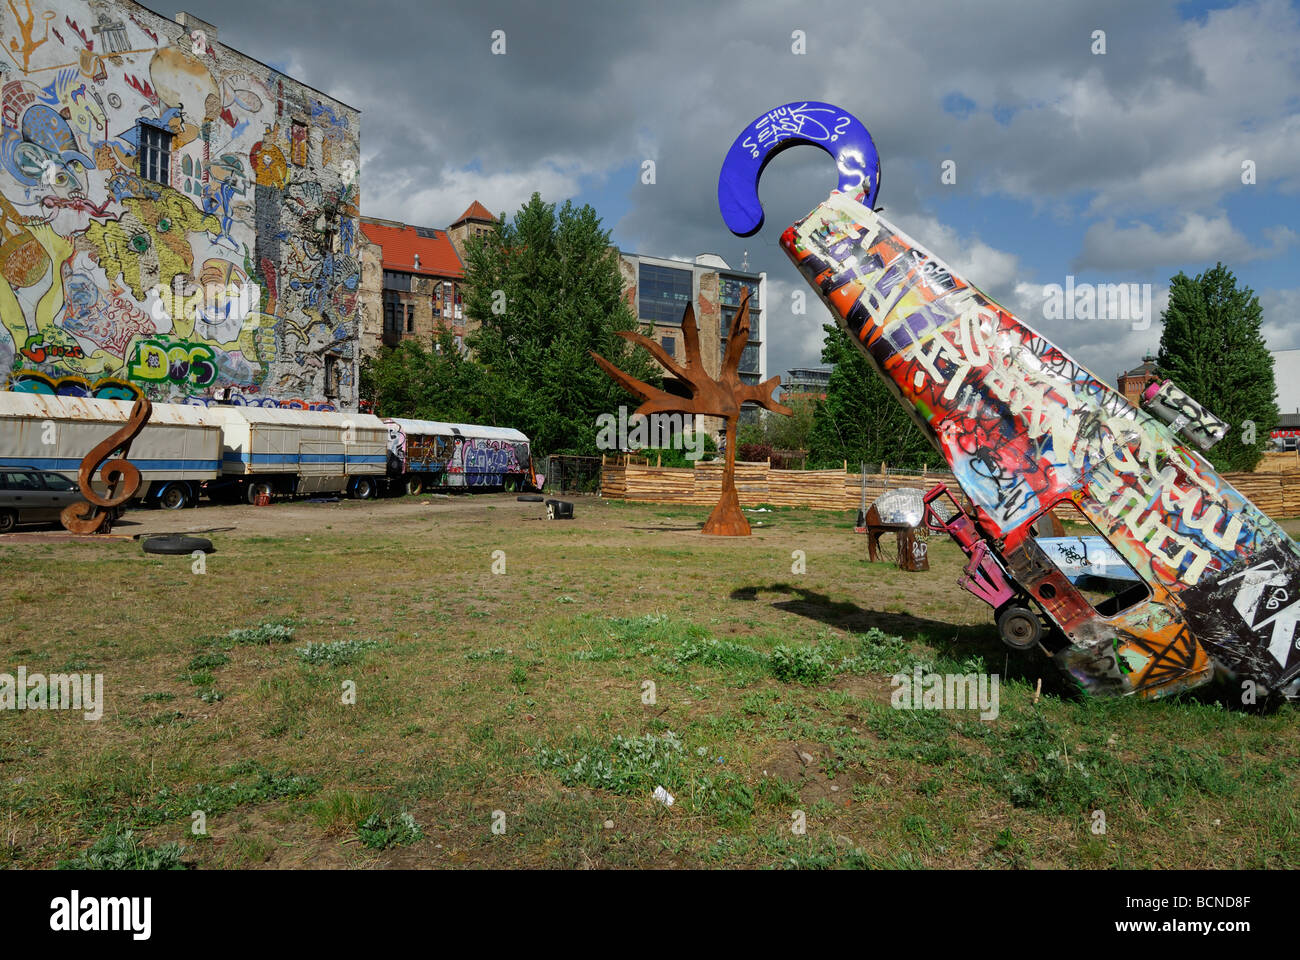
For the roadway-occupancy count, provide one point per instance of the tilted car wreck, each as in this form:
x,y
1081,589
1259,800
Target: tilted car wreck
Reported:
x,y
1028,431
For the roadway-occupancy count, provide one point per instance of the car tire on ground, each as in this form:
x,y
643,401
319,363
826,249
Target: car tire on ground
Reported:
x,y
8,520
363,488
176,544
414,486
174,496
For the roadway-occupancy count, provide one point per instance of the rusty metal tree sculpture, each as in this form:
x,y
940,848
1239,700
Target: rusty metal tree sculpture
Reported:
x,y
718,398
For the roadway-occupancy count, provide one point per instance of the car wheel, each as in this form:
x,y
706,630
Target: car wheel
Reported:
x,y
414,486
255,490
8,520
174,497
364,488
1019,628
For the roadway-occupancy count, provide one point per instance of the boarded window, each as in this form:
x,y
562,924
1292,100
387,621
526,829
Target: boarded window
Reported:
x,y
298,144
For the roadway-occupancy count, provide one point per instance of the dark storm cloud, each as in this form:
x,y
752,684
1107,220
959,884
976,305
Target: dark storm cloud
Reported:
x,y
590,88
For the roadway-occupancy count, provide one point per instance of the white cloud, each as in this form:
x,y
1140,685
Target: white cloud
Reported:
x,y
1197,239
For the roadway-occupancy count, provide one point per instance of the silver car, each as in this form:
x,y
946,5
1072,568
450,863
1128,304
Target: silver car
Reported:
x,y
34,496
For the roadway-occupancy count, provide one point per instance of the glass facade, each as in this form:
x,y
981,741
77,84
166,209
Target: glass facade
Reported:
x,y
729,313
730,290
663,293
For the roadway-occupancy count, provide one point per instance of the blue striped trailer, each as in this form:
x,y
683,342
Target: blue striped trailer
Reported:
x,y
282,452
178,449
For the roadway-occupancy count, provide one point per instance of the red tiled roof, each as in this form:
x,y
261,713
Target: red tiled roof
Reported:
x,y
401,244
475,211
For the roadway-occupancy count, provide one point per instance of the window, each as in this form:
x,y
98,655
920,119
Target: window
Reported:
x,y
1088,560
155,152
731,288
663,294
729,313
331,376
749,359
56,481
298,144
391,306
410,318
396,280
19,481
670,346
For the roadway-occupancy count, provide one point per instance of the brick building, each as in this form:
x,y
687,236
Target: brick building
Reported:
x,y
1133,382
178,218
419,284
412,279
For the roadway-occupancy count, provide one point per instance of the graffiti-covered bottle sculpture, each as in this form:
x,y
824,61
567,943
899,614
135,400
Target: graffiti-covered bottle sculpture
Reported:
x,y
1026,429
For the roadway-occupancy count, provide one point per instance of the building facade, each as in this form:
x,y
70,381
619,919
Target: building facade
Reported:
x,y
1132,382
412,279
806,382
178,219
658,289
419,285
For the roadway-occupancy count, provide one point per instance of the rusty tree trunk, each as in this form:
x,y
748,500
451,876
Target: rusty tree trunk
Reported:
x,y
726,520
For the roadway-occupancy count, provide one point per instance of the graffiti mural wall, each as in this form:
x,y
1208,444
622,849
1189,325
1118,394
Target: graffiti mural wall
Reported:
x,y
176,219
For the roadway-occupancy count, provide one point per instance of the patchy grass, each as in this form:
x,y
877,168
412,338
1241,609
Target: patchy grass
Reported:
x,y
349,685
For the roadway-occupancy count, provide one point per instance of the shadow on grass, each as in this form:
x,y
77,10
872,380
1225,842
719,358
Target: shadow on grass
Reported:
x,y
951,641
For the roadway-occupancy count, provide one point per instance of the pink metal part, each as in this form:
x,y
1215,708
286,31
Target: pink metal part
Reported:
x,y
983,575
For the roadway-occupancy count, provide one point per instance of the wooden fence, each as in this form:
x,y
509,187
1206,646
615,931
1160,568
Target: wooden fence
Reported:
x,y
1274,488
755,483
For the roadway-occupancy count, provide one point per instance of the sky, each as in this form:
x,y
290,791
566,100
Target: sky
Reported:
x,y
1122,166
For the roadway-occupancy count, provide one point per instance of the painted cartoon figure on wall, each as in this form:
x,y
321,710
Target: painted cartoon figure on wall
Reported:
x,y
1211,585
173,215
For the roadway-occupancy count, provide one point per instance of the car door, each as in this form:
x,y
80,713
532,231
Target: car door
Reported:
x,y
25,493
59,492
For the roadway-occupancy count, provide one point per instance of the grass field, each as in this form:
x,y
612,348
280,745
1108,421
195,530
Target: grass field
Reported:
x,y
499,717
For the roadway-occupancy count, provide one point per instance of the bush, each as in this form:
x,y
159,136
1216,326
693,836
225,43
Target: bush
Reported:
x,y
799,665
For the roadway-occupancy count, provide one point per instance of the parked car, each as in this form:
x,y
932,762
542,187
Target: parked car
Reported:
x,y
28,495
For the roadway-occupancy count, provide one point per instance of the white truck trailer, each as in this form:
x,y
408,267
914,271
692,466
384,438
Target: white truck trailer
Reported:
x,y
296,452
178,449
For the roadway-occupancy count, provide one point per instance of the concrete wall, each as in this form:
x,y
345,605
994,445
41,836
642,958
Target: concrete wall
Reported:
x,y
262,190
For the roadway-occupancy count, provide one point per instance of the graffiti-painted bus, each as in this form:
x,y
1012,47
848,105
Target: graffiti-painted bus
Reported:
x,y
425,455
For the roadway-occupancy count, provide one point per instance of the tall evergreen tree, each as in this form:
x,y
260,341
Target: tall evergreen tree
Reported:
x,y
546,289
860,420
1212,348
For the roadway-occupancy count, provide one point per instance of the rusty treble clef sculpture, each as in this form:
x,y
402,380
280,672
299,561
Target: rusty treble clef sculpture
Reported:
x,y
121,476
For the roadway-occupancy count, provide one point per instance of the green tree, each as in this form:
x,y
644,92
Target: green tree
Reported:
x,y
860,420
1212,348
546,288
795,431
410,380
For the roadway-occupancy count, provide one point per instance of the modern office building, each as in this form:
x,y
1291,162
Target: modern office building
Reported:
x,y
659,289
806,382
